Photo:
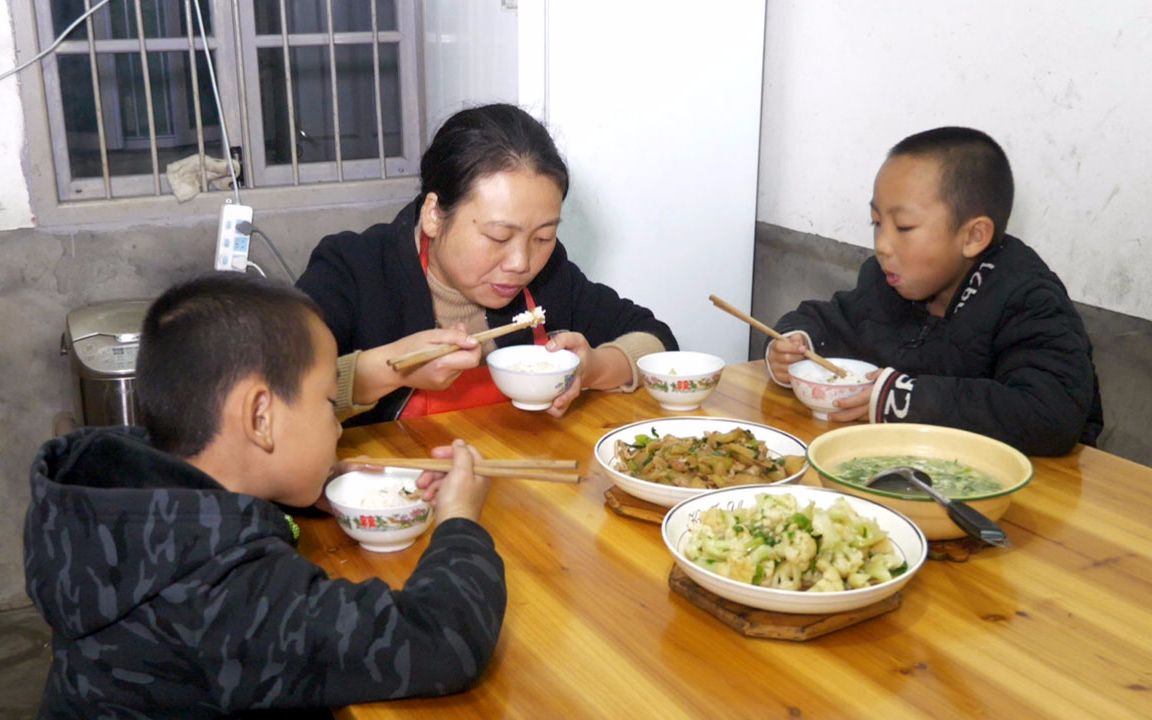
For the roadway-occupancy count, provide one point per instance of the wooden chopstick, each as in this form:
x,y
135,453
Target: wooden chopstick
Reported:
x,y
547,470
419,357
736,312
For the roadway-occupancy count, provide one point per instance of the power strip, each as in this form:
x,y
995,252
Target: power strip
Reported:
x,y
231,243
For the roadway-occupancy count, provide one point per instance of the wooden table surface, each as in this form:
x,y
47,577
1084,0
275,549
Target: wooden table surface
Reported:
x,y
1059,625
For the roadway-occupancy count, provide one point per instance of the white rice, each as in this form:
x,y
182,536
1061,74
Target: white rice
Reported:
x,y
849,379
383,499
538,366
535,316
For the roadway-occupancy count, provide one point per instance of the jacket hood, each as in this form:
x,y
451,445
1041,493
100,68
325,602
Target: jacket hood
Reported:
x,y
113,522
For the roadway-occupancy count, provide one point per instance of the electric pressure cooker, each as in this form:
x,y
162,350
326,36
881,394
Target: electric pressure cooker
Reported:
x,y
102,340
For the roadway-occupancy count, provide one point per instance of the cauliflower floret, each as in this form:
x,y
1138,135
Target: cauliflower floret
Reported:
x,y
829,582
775,544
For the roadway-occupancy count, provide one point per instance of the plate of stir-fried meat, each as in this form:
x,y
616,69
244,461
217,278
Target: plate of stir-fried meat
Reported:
x,y
667,460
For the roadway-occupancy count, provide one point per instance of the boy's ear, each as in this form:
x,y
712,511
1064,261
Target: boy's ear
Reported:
x,y
258,416
431,216
977,235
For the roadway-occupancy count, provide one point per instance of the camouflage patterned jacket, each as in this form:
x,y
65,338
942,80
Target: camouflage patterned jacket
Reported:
x,y
170,596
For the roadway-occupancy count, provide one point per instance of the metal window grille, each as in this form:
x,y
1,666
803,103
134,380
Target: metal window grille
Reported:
x,y
312,91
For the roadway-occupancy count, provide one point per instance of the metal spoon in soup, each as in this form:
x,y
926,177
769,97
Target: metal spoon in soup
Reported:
x,y
912,481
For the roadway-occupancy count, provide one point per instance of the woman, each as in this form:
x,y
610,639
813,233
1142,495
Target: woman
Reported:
x,y
477,247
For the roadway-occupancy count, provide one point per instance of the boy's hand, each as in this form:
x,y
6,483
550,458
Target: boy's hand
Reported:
x,y
458,492
855,407
782,353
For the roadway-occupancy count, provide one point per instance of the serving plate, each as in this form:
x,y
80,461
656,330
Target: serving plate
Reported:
x,y
903,533
777,441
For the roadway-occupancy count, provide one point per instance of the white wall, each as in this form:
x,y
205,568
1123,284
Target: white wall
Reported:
x,y
1064,87
657,111
15,209
469,56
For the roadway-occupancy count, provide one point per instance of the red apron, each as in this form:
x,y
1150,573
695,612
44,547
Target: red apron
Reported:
x,y
474,387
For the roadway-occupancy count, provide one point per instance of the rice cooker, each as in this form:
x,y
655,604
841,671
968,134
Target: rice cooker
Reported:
x,y
102,340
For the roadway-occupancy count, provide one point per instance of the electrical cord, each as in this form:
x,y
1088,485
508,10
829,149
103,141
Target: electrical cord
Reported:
x,y
219,107
46,51
258,268
250,229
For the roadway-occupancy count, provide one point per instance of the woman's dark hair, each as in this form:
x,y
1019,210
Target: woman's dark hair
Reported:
x,y
483,141
975,177
201,337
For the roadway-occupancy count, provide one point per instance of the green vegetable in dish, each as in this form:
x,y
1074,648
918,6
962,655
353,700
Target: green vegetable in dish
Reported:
x,y
775,543
713,460
951,477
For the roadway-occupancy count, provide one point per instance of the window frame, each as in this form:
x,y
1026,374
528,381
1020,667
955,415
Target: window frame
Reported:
x,y
313,189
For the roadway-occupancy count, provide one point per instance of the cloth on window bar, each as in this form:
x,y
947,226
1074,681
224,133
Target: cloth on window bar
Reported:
x,y
184,175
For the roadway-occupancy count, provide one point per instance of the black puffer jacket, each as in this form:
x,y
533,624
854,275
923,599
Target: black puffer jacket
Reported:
x,y
1010,359
171,597
373,291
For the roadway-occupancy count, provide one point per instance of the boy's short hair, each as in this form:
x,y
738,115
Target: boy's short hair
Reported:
x,y
202,336
975,176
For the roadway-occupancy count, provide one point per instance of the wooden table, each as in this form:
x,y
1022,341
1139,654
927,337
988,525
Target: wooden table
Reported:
x,y
1057,626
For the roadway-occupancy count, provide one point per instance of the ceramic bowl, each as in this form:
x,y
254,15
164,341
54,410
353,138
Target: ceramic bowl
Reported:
x,y
1001,461
777,441
371,509
818,387
680,380
903,533
531,376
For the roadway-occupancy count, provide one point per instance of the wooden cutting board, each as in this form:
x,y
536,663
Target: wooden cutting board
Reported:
x,y
756,623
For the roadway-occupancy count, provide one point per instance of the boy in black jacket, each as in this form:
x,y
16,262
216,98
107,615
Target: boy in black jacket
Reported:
x,y
168,575
970,327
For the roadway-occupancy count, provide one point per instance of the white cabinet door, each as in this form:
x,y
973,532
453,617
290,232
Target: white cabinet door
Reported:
x,y
656,108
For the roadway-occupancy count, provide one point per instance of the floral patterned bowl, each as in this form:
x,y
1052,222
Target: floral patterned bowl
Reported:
x,y
373,509
680,380
819,388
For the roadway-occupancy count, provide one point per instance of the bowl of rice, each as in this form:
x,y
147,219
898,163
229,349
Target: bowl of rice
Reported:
x,y
380,510
819,388
794,549
531,376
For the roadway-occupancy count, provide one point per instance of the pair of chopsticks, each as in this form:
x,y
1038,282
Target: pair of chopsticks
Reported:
x,y
546,470
419,357
735,312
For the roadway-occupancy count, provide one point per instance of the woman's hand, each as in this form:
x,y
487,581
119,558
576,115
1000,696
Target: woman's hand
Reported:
x,y
375,378
600,368
459,492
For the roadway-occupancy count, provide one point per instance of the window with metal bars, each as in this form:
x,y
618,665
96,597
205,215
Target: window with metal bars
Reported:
x,y
311,91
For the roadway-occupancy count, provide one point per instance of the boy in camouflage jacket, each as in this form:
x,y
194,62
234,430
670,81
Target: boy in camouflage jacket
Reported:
x,y
167,571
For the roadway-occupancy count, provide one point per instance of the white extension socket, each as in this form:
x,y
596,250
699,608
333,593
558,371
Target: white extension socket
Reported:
x,y
231,243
